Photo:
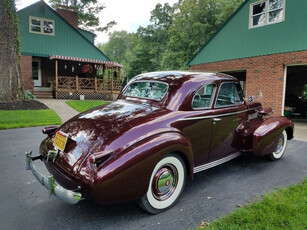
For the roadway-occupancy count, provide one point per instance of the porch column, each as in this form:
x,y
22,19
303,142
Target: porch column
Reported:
x,y
77,83
103,76
112,72
119,76
56,76
96,85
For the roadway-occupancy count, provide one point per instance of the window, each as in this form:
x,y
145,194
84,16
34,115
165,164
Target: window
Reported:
x,y
41,26
147,90
35,70
266,12
203,97
230,94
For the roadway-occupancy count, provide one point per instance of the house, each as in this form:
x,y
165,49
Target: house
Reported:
x,y
59,59
264,45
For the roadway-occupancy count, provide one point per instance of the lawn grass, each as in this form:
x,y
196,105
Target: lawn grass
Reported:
x,y
27,118
82,106
283,209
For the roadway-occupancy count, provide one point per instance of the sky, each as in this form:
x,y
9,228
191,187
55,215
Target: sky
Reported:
x,y
129,15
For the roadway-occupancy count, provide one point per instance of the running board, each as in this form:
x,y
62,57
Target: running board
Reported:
x,y
215,163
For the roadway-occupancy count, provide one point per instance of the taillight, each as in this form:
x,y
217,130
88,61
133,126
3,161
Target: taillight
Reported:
x,y
49,129
98,158
92,159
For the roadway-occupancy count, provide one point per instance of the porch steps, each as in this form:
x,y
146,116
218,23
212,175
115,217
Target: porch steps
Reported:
x,y
43,94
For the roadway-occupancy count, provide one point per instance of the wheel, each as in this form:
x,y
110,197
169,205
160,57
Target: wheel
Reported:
x,y
166,184
281,147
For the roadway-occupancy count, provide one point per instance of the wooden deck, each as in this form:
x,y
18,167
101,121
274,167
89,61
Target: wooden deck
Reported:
x,y
93,87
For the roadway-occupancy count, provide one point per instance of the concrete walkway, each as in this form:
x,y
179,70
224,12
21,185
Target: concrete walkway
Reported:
x,y
64,111
300,129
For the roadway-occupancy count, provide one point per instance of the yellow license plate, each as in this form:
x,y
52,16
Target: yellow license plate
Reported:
x,y
60,140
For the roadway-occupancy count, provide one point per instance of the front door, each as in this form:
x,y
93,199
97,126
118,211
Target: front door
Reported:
x,y
36,72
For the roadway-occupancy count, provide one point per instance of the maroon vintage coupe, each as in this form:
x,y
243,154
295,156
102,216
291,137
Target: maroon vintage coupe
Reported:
x,y
163,128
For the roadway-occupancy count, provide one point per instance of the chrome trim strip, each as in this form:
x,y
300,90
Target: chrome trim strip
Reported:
x,y
218,115
215,163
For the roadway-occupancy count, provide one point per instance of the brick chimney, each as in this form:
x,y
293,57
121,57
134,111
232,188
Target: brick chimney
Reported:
x,y
69,13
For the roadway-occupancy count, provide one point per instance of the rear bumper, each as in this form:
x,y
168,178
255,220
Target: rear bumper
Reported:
x,y
69,196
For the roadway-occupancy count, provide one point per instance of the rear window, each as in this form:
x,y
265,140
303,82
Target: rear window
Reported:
x,y
147,90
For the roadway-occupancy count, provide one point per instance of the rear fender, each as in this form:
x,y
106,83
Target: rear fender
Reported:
x,y
265,136
126,175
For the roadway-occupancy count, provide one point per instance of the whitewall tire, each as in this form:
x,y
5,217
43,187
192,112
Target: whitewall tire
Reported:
x,y
281,147
166,184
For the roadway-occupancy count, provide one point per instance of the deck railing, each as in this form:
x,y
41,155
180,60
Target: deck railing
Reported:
x,y
78,84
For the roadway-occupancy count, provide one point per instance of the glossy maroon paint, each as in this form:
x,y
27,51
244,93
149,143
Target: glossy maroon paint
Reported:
x,y
131,135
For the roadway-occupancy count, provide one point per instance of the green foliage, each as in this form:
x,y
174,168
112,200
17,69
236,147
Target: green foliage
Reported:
x,y
82,106
29,95
27,118
283,209
119,48
175,34
88,13
142,51
9,5
194,23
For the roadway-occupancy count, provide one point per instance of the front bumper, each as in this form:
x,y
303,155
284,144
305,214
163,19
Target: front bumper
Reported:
x,y
71,197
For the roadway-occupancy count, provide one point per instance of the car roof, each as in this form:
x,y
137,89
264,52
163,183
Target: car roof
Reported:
x,y
167,76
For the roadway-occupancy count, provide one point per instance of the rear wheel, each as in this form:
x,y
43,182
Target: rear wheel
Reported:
x,y
281,147
166,184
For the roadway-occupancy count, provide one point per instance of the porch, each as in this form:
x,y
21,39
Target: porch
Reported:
x,y
92,88
76,78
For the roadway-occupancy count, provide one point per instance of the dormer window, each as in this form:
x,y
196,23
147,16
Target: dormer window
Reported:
x,y
266,12
41,26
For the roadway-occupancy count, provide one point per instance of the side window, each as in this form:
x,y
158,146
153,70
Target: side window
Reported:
x,y
203,97
230,94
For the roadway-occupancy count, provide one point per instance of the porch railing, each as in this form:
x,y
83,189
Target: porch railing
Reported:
x,y
77,84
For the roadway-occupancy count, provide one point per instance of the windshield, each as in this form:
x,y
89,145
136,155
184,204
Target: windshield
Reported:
x,y
148,90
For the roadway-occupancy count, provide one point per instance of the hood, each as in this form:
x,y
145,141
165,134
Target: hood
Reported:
x,y
111,127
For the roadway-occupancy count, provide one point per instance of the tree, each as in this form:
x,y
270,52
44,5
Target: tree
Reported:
x,y
151,41
141,51
10,72
194,22
154,37
119,48
88,13
174,35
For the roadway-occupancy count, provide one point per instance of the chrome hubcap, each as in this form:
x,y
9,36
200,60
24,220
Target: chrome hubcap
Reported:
x,y
165,182
280,145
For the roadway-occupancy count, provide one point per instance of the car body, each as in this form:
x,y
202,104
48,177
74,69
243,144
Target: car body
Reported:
x,y
163,128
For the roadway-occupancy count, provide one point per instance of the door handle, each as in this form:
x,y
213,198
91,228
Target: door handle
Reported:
x,y
217,119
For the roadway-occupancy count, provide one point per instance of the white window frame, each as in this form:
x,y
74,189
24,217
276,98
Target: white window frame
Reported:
x,y
266,14
42,21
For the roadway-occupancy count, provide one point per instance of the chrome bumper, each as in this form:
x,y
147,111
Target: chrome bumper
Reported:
x,y
68,196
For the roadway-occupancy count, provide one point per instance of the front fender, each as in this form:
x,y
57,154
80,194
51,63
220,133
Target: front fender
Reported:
x,y
265,136
126,176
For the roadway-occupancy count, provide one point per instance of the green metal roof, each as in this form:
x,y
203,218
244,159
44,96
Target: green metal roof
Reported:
x,y
235,40
66,41
89,35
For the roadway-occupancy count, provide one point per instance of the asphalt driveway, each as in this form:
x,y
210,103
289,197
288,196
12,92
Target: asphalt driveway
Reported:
x,y
25,204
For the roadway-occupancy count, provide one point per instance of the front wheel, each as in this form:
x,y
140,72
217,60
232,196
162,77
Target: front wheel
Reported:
x,y
166,184
281,147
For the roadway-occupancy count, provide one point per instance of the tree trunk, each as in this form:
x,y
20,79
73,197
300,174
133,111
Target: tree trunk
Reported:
x,y
10,72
